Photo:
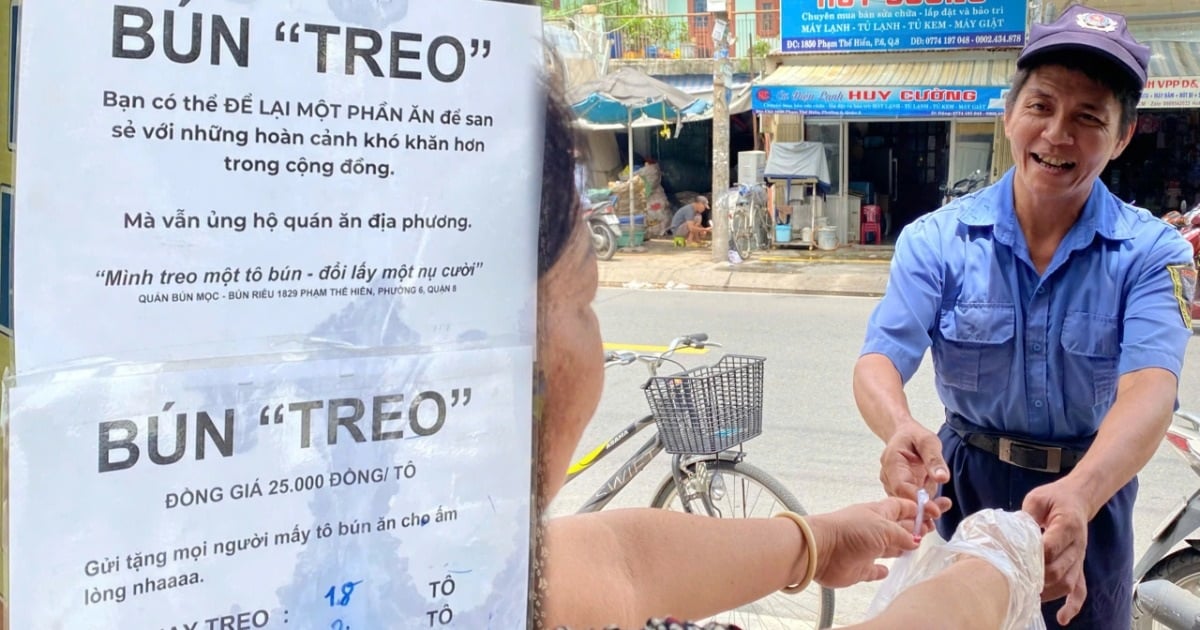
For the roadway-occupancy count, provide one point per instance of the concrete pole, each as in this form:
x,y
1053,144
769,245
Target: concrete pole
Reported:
x,y
720,140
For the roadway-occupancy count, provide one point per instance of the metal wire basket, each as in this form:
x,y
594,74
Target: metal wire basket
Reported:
x,y
708,409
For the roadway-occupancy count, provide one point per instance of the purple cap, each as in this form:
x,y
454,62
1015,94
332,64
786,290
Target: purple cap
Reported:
x,y
1086,29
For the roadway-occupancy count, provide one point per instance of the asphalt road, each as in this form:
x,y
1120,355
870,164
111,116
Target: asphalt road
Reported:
x,y
813,438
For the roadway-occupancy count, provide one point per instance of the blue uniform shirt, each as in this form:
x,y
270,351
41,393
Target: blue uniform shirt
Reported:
x,y
1029,355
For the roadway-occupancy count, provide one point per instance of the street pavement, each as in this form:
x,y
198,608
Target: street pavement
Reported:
x,y
848,270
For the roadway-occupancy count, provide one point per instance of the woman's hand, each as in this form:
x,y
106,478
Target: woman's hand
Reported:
x,y
850,540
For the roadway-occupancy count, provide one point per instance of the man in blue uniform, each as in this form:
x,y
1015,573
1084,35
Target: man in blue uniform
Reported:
x,y
1057,317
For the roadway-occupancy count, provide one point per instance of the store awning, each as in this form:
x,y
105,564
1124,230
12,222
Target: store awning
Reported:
x,y
701,85
1174,81
971,87
1174,59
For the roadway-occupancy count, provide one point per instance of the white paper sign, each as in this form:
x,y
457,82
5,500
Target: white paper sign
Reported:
x,y
237,192
227,177
384,493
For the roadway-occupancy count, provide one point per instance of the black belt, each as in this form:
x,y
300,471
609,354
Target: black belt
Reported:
x,y
1030,455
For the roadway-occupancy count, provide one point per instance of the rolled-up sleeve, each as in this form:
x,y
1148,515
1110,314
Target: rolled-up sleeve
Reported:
x,y
1156,321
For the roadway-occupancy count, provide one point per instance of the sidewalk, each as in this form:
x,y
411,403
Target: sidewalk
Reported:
x,y
848,270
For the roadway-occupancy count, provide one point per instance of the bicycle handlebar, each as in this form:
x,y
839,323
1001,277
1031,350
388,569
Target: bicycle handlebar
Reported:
x,y
653,360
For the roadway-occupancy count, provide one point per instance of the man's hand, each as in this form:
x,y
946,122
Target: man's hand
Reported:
x,y
1063,516
850,540
912,460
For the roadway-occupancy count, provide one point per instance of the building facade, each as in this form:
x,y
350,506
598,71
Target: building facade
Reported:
x,y
909,99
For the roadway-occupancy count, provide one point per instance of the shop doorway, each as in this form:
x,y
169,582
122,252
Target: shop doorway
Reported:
x,y
1160,169
899,166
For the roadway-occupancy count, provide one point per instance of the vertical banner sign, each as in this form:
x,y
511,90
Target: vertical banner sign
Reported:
x,y
891,25
276,278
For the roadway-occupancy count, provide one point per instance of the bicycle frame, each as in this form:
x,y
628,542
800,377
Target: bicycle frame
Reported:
x,y
644,454
630,469
638,462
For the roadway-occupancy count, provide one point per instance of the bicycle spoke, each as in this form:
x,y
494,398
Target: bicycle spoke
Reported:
x,y
750,493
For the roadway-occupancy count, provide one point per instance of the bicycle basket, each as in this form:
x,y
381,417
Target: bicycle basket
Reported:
x,y
708,409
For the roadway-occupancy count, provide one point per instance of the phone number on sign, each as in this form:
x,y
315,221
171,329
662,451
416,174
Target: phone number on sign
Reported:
x,y
1010,38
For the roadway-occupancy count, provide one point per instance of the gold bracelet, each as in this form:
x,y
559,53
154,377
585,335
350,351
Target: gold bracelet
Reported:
x,y
811,542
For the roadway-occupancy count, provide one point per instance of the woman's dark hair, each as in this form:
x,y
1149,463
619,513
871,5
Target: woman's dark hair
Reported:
x,y
1099,69
560,201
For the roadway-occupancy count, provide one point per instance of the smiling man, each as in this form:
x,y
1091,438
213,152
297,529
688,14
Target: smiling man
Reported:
x,y
1057,318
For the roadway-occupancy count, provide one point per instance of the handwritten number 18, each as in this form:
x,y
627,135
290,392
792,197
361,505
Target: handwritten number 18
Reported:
x,y
346,592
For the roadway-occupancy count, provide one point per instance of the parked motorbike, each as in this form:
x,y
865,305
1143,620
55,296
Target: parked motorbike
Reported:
x,y
1181,566
968,184
602,221
1169,605
1188,224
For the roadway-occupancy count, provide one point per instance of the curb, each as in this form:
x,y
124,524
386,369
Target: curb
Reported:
x,y
764,273
649,286
822,260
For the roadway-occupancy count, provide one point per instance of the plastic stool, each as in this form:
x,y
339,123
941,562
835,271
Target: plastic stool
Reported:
x,y
870,225
679,241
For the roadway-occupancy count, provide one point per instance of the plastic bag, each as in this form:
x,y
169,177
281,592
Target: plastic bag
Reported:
x,y
1010,541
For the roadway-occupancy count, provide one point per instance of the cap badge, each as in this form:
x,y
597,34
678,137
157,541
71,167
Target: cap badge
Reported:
x,y
1096,22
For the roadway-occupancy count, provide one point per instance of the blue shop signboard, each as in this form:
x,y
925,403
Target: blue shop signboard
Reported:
x,y
892,25
882,102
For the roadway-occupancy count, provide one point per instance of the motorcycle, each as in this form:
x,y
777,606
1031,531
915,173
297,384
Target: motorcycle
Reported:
x,y
1181,566
603,223
968,184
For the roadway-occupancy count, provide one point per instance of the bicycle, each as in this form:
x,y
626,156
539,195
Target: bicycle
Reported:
x,y
750,222
703,415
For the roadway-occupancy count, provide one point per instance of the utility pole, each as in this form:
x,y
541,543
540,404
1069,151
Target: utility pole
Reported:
x,y
722,67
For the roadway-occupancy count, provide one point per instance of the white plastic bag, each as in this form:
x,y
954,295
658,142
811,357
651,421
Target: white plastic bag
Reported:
x,y
1010,541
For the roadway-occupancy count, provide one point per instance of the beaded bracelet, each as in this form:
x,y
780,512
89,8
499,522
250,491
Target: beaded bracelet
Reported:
x,y
811,542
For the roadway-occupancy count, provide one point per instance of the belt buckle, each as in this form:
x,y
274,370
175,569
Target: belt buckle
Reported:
x,y
1053,455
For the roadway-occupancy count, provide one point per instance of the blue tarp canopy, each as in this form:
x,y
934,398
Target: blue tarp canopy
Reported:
x,y
627,93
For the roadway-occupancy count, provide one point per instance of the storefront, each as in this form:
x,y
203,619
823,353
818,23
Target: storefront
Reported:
x,y
1160,169
906,100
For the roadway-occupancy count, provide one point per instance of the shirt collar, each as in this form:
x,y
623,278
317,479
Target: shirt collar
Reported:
x,y
1101,214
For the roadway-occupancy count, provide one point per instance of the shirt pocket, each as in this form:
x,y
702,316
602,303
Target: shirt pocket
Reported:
x,y
1092,347
975,351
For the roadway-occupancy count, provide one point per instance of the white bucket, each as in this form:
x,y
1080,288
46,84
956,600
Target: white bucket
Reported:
x,y
806,234
827,237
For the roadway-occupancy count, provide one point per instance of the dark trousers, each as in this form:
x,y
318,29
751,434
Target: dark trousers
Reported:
x,y
979,480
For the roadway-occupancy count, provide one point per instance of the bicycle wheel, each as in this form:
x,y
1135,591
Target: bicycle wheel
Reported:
x,y
741,234
746,491
766,228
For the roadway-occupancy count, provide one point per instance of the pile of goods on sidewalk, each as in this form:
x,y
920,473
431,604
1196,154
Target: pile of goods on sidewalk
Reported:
x,y
658,209
622,190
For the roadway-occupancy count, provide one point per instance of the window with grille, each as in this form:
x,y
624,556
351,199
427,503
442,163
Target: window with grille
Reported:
x,y
700,27
767,19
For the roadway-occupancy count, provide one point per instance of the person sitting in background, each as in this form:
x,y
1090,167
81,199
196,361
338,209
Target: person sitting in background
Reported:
x,y
620,567
688,221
